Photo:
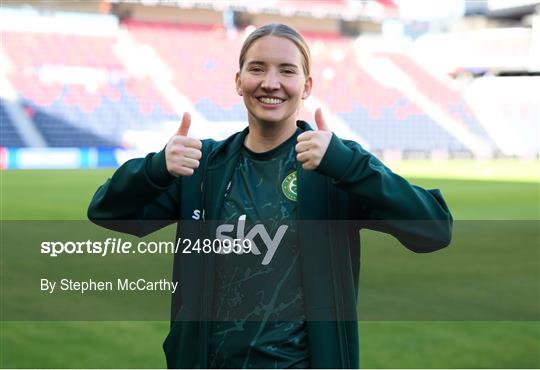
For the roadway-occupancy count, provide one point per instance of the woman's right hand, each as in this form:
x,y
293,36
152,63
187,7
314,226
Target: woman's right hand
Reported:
x,y
182,153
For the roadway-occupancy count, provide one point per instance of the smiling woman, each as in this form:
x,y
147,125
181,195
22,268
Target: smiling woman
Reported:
x,y
273,80
278,184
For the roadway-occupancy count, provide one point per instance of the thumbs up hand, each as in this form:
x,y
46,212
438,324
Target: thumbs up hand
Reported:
x,y
312,145
182,153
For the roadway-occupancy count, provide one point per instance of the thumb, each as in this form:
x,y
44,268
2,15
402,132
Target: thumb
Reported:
x,y
184,126
319,120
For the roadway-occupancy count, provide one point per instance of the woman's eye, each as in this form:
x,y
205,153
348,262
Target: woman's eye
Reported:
x,y
289,71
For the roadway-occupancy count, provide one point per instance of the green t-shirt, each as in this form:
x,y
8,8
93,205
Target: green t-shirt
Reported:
x,y
258,304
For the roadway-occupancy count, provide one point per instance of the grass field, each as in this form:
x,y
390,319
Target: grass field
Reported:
x,y
503,192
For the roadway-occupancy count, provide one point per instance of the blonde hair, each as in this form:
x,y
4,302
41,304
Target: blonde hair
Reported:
x,y
280,30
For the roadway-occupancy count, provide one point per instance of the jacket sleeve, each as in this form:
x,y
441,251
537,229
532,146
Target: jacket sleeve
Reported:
x,y
418,218
139,198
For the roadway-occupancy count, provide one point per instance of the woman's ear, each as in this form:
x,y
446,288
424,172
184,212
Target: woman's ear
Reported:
x,y
238,84
307,88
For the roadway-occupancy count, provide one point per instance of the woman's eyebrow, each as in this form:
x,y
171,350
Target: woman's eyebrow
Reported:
x,y
289,65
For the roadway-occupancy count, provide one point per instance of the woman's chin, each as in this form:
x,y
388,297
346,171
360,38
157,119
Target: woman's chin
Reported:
x,y
272,119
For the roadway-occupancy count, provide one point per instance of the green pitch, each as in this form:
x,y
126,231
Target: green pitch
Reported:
x,y
497,193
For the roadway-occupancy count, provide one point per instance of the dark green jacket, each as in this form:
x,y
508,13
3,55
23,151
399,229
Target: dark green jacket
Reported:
x,y
349,184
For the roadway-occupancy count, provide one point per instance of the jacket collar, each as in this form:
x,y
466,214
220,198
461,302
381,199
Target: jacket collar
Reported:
x,y
224,150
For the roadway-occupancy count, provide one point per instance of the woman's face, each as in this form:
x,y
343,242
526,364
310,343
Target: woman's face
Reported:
x,y
272,81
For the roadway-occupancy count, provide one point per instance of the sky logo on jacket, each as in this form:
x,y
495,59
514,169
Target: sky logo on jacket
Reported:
x,y
271,243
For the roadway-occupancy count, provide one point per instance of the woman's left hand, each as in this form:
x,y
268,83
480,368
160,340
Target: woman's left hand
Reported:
x,y
312,145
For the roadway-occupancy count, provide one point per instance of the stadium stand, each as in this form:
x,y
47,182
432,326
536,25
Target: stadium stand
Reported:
x,y
77,82
203,74
448,99
82,89
373,111
60,133
10,136
385,117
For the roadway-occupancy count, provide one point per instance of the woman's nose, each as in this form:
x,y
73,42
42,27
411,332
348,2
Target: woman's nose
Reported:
x,y
271,81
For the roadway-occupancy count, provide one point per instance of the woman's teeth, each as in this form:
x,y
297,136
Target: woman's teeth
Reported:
x,y
271,100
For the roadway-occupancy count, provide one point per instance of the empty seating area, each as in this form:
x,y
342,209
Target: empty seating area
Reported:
x,y
77,82
78,90
203,60
10,137
60,133
206,76
448,99
412,133
383,116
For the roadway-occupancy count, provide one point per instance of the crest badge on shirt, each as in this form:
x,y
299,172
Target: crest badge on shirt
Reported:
x,y
288,186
